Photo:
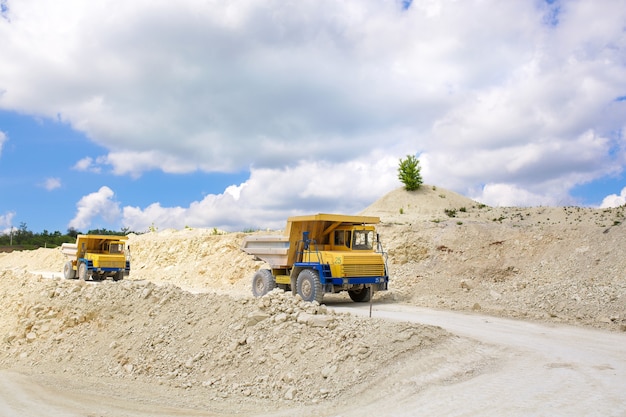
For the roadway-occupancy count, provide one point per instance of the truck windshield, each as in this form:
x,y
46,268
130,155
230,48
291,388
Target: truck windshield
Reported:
x,y
363,240
116,248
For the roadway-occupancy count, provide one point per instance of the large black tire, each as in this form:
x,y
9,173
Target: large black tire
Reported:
x,y
68,270
361,295
262,282
309,287
119,275
82,271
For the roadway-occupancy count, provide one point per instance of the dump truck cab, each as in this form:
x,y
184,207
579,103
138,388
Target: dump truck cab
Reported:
x,y
322,253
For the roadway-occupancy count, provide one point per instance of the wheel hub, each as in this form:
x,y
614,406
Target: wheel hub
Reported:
x,y
306,289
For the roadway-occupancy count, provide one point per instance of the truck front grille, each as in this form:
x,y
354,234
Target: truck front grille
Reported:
x,y
363,266
111,264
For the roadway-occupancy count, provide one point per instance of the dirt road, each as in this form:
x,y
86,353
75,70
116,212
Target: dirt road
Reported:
x,y
494,367
537,370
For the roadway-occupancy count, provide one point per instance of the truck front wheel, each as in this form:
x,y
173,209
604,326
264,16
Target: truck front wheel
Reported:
x,y
82,271
262,282
361,295
309,287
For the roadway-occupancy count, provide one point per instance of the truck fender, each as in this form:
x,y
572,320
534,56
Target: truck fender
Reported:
x,y
294,279
293,285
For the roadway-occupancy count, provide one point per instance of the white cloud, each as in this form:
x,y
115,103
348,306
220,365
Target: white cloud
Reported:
x,y
509,195
546,169
6,222
269,196
263,77
155,216
614,200
135,163
3,138
88,164
520,96
98,205
52,183
83,164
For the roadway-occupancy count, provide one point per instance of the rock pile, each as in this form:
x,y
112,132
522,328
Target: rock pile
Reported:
x,y
273,349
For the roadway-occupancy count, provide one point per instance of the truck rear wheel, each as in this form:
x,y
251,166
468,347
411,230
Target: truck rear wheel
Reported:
x,y
68,270
82,271
361,295
309,287
262,282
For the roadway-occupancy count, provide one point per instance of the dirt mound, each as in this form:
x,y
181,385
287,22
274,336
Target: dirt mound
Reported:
x,y
562,264
427,202
32,260
276,348
193,259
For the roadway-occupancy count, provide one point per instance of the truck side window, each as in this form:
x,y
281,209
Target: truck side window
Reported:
x,y
339,238
342,238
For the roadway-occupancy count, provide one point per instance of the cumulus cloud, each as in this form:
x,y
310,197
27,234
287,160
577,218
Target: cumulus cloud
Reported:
x,y
3,138
84,164
277,78
260,201
6,222
89,164
508,195
614,200
536,173
135,163
98,205
515,102
52,183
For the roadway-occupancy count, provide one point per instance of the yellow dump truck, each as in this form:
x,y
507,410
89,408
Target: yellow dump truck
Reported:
x,y
321,253
97,257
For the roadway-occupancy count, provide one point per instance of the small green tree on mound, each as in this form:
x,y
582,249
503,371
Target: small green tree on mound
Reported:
x,y
409,173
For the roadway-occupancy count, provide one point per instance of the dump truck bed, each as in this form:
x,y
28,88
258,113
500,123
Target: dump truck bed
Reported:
x,y
69,249
269,248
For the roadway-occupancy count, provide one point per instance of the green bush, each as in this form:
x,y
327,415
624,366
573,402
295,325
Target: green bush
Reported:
x,y
409,173
450,212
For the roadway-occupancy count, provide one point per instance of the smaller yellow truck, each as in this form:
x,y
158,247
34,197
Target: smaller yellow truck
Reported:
x,y
97,257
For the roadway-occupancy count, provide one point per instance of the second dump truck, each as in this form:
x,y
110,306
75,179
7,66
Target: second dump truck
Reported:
x,y
321,253
96,257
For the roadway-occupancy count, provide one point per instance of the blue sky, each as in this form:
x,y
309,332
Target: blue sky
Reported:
x,y
237,114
